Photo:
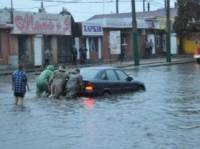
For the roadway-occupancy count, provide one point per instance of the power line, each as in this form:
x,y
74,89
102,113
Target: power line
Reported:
x,y
55,5
60,3
81,2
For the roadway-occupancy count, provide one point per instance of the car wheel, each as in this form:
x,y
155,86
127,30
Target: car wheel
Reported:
x,y
106,94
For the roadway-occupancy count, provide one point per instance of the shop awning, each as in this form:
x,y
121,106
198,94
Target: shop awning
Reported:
x,y
6,26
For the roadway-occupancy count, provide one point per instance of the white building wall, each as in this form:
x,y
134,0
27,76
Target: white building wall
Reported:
x,y
37,44
99,50
87,46
174,48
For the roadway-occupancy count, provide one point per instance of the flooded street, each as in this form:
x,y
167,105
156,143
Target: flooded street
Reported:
x,y
166,116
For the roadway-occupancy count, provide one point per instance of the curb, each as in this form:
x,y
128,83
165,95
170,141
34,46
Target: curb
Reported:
x,y
144,65
155,64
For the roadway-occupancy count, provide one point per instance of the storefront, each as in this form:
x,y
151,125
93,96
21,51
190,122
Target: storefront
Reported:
x,y
37,32
4,46
91,39
118,37
116,40
64,44
150,28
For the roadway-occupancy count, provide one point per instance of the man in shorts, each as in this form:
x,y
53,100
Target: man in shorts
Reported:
x,y
19,84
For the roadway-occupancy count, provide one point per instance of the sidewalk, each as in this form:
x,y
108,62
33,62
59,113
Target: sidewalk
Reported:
x,y
155,62
152,62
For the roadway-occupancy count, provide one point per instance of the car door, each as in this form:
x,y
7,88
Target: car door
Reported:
x,y
125,84
101,82
112,81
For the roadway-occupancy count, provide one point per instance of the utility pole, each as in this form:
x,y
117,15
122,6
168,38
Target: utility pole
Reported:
x,y
11,11
134,35
117,6
148,6
168,27
144,5
42,4
42,9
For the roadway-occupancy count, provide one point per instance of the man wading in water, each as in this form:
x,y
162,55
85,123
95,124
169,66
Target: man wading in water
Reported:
x,y
19,84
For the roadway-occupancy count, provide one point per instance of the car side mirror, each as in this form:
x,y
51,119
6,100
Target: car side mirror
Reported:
x,y
129,79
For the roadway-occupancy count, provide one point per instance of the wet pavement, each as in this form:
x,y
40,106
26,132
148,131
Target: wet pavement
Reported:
x,y
166,116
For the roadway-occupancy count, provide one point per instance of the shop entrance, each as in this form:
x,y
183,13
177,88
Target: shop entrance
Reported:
x,y
47,42
24,45
64,49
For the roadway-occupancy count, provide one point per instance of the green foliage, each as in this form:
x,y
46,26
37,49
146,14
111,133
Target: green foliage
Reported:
x,y
188,17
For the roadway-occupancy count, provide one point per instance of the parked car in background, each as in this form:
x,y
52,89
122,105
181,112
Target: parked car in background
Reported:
x,y
99,81
196,55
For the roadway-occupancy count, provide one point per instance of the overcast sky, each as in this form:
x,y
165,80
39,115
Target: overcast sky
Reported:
x,y
82,11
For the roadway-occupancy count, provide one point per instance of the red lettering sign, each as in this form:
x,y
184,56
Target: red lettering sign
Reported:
x,y
29,23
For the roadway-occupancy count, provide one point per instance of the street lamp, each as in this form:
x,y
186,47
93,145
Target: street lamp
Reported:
x,y
134,35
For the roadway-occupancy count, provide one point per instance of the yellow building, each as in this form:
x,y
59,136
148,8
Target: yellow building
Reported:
x,y
191,42
189,45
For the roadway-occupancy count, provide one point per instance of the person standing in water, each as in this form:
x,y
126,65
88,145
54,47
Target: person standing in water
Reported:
x,y
19,84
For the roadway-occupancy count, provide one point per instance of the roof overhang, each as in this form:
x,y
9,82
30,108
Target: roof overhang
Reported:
x,y
6,26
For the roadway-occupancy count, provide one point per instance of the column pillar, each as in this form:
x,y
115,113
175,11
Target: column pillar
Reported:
x,y
88,48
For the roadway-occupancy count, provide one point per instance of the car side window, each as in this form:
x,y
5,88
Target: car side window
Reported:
x,y
121,75
111,75
103,76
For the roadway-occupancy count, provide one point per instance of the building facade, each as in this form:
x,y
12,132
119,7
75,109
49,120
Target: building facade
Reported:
x,y
5,38
30,34
117,30
37,32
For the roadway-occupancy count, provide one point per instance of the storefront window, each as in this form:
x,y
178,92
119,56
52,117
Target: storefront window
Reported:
x,y
158,42
47,42
64,49
124,39
124,43
23,49
93,44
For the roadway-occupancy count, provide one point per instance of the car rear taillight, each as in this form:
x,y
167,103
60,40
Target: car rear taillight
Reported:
x,y
89,87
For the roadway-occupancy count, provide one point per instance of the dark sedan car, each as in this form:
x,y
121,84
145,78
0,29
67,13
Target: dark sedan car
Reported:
x,y
107,80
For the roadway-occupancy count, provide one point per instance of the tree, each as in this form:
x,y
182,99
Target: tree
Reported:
x,y
187,20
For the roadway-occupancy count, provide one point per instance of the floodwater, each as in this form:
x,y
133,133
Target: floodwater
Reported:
x,y
166,116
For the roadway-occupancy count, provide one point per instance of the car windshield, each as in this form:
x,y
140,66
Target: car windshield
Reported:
x,y
89,74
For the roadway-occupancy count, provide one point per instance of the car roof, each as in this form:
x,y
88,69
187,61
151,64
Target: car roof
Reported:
x,y
98,68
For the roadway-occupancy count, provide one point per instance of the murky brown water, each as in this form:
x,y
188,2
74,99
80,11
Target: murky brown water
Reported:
x,y
166,116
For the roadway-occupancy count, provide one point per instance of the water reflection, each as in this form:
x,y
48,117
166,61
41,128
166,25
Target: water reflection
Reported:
x,y
89,103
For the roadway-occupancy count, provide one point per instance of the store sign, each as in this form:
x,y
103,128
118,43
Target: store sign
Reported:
x,y
89,29
127,23
115,42
118,23
41,23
